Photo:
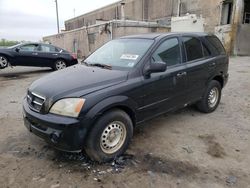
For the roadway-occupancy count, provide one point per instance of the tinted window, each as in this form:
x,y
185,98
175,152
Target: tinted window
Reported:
x,y
216,45
168,52
206,51
29,47
193,48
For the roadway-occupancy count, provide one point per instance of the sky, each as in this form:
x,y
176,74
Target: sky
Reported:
x,y
30,20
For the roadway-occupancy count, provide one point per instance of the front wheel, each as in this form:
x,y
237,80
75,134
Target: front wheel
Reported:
x,y
59,64
211,98
3,62
110,136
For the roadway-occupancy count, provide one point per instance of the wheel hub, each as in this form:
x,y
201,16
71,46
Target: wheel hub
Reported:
x,y
113,137
3,61
213,97
60,65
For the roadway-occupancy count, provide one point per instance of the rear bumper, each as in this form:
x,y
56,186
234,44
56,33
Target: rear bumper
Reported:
x,y
63,133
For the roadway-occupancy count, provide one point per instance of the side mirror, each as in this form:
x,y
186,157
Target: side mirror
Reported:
x,y
17,49
155,67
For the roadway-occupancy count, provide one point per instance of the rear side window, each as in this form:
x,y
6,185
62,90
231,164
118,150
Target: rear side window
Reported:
x,y
216,45
193,48
48,48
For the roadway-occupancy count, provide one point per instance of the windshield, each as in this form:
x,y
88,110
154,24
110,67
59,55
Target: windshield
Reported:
x,y
124,53
14,46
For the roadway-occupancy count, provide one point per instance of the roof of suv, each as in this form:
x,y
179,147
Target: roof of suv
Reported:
x,y
162,35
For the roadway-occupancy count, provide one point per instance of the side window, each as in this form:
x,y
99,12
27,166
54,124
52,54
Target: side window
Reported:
x,y
168,52
29,47
44,48
193,48
216,45
47,48
206,50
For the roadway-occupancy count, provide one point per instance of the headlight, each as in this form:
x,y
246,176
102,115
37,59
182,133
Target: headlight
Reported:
x,y
68,107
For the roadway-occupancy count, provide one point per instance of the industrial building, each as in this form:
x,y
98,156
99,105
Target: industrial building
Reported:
x,y
228,19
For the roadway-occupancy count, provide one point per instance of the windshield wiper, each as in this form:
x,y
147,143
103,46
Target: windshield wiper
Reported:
x,y
100,65
85,63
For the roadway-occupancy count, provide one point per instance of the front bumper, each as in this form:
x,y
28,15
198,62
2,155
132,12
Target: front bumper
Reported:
x,y
63,133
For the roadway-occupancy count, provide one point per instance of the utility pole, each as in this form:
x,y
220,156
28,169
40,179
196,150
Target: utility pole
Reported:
x,y
57,17
74,12
178,8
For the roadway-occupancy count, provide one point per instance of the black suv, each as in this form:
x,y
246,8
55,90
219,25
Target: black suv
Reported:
x,y
95,106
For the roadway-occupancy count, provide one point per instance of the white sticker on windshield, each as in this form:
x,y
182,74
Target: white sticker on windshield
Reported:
x,y
129,56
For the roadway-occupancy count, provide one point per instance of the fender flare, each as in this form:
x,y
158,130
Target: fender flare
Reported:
x,y
112,102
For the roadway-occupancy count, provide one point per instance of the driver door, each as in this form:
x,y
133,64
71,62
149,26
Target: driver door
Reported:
x,y
166,90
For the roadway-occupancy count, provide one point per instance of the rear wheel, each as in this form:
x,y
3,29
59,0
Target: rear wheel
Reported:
x,y
110,136
59,64
211,98
3,62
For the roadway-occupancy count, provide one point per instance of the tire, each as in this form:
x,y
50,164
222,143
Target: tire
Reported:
x,y
59,64
115,125
3,62
211,98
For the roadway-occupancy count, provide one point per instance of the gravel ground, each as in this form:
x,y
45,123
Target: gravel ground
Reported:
x,y
180,149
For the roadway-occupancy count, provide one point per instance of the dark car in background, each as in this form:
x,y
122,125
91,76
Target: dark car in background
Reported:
x,y
125,82
37,55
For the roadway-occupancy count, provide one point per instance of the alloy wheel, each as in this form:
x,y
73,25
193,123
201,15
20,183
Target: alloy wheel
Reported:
x,y
3,62
60,65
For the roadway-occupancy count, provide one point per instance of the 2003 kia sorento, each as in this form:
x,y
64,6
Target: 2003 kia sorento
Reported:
x,y
95,106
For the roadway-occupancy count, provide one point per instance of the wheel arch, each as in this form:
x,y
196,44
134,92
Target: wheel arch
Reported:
x,y
6,56
61,59
220,79
116,102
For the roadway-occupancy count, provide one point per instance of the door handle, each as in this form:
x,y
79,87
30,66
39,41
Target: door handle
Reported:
x,y
54,54
181,74
34,53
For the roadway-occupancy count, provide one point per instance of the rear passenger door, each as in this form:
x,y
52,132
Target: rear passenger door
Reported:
x,y
198,66
47,55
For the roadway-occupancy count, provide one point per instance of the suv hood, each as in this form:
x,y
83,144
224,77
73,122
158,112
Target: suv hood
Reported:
x,y
76,81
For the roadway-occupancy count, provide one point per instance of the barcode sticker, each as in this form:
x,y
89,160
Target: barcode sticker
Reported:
x,y
129,57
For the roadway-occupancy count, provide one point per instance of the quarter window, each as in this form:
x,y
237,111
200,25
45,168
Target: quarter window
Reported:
x,y
216,45
193,48
168,52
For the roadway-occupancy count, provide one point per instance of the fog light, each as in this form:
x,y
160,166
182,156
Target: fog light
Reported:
x,y
54,137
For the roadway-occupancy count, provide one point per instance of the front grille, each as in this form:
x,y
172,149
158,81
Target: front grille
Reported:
x,y
35,101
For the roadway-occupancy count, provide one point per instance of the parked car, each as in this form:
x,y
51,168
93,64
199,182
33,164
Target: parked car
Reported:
x,y
124,83
37,55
